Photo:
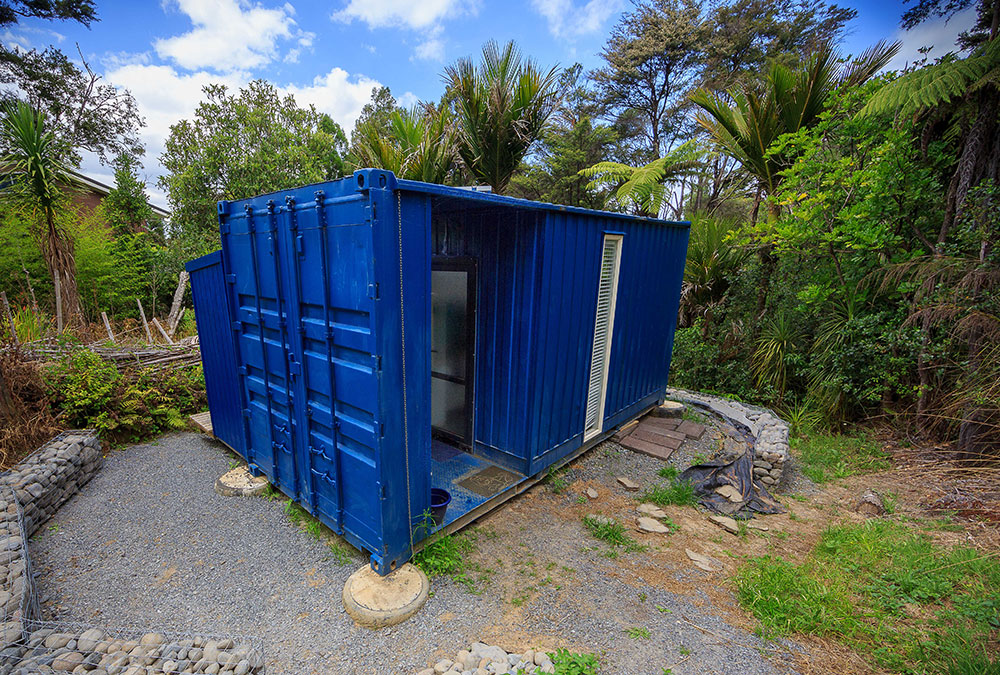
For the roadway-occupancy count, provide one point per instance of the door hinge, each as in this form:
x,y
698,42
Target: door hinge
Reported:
x,y
294,367
373,291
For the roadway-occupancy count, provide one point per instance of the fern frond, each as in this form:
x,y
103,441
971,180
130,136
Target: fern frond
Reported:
x,y
935,85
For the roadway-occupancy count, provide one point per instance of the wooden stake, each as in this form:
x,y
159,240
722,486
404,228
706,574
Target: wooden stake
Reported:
x,y
174,318
59,323
10,317
142,313
107,325
156,322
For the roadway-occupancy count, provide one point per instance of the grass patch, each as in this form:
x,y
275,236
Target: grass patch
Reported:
x,y
612,533
886,591
449,556
676,492
638,633
556,480
668,472
573,663
827,457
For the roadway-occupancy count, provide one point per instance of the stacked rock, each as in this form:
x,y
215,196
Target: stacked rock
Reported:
x,y
484,659
95,652
770,432
52,474
16,598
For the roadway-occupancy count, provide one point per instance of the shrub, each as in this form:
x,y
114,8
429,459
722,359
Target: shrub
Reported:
x,y
91,393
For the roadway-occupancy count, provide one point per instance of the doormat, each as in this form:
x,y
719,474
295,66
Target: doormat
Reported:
x,y
489,481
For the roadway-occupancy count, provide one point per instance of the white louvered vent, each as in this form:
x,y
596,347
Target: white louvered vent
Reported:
x,y
607,292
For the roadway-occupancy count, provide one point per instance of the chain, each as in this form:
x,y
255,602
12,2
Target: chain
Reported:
x,y
402,337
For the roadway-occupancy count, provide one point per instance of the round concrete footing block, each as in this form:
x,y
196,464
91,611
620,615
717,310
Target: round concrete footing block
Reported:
x,y
239,483
669,409
376,602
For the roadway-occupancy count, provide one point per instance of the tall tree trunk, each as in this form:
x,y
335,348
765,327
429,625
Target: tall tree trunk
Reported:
x,y
59,259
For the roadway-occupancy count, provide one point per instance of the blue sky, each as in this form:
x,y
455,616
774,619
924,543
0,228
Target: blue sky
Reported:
x,y
331,54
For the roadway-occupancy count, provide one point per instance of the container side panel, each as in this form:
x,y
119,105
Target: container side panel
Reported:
x,y
402,312
218,352
652,268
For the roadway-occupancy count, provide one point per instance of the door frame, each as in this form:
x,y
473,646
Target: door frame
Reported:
x,y
469,265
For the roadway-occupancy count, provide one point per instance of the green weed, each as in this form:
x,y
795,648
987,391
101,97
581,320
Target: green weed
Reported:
x,y
886,591
638,633
668,472
680,493
613,533
556,480
572,663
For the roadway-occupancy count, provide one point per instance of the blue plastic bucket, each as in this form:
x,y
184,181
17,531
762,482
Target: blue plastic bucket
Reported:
x,y
440,499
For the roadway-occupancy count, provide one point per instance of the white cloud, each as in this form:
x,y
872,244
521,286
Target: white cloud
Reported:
x,y
414,14
936,33
431,49
336,93
567,20
230,35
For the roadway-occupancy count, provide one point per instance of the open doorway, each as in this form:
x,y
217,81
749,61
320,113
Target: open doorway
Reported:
x,y
453,354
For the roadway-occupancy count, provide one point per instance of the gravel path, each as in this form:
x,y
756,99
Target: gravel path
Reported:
x,y
148,542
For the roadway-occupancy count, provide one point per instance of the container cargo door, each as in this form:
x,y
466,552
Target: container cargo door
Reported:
x,y
607,292
329,264
252,244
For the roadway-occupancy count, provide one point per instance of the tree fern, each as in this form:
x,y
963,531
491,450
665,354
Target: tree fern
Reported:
x,y
939,84
644,188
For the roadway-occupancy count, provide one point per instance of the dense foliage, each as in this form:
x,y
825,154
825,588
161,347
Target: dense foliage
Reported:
x,y
91,394
241,145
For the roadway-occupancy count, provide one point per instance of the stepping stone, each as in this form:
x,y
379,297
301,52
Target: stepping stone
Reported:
x,y
658,434
658,450
628,483
703,561
661,422
730,493
648,436
652,510
726,523
647,524
592,493
625,431
691,429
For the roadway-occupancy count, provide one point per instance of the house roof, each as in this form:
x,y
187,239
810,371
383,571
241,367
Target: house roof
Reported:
x,y
103,189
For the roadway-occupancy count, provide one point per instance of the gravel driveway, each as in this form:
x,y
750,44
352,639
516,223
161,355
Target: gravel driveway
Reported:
x,y
148,542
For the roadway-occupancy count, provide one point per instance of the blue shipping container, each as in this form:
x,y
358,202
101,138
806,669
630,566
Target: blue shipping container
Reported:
x,y
389,336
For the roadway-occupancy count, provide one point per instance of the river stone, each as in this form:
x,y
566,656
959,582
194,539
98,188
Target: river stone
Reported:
x,y
89,639
726,523
647,524
703,562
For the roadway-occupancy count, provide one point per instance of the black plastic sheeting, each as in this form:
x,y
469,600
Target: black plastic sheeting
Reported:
x,y
707,476
738,472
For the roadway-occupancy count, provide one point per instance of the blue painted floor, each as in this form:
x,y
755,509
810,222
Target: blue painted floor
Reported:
x,y
449,467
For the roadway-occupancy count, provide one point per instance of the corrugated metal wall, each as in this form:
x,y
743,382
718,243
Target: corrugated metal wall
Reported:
x,y
538,279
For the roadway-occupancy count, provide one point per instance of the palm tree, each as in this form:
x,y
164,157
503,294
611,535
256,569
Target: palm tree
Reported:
x,y
35,173
645,188
419,145
501,107
746,121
